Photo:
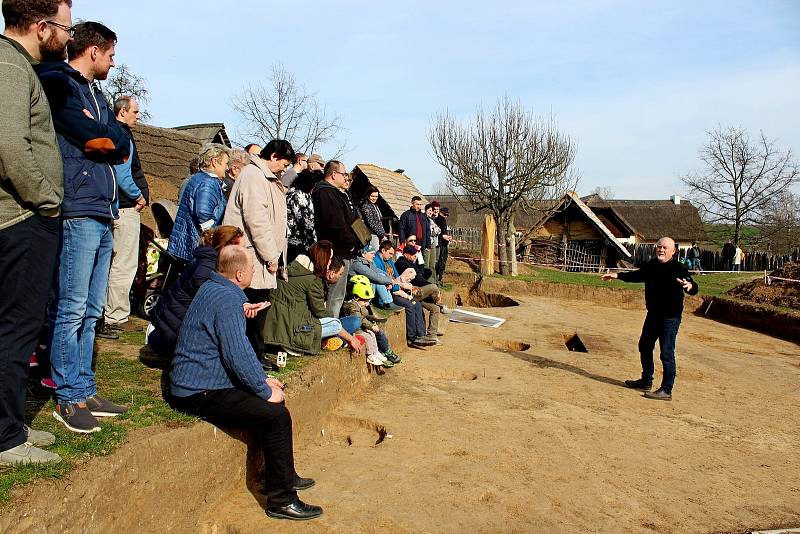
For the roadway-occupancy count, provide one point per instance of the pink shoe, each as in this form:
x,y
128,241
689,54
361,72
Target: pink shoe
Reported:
x,y
33,362
48,383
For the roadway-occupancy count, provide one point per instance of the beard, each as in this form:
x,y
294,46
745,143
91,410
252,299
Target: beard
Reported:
x,y
53,49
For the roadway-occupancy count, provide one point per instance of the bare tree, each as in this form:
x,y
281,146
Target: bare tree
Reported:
x,y
123,82
779,231
741,178
505,160
605,192
283,109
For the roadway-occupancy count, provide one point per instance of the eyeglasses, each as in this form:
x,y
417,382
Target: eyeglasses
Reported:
x,y
69,29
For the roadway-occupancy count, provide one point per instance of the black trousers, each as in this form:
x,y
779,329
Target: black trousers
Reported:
x,y
271,423
441,261
255,327
27,266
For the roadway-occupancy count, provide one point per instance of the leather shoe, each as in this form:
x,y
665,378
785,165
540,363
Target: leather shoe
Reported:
x,y
296,510
658,394
640,384
300,483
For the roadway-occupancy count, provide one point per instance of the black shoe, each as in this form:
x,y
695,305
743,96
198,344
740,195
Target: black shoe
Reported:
x,y
101,407
301,483
269,365
658,394
76,418
640,384
425,341
296,510
392,357
414,345
105,331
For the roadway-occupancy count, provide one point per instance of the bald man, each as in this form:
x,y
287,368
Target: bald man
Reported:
x,y
216,376
665,281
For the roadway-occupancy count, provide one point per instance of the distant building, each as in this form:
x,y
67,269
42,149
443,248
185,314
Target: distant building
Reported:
x,y
213,132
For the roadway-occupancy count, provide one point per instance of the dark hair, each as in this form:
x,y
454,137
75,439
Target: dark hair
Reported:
x,y
386,245
122,102
280,148
19,14
298,156
248,147
306,179
435,204
194,166
368,191
415,198
89,34
337,264
220,236
320,255
427,206
331,167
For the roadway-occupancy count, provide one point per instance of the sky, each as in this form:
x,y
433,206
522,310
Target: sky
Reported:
x,y
635,84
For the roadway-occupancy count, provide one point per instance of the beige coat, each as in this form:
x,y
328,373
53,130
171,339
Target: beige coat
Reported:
x,y
257,205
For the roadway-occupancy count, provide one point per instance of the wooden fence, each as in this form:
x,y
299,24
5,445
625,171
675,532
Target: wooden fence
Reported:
x,y
712,260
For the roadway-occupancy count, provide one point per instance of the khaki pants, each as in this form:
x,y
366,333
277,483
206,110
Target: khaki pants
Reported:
x,y
427,296
124,262
430,262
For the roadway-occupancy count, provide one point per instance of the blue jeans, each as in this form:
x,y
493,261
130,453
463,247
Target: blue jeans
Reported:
x,y
665,331
382,294
331,327
80,296
415,321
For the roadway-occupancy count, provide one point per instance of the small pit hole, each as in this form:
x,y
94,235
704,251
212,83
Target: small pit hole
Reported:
x,y
574,343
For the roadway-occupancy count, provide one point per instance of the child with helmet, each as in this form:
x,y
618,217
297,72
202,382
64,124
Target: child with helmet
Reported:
x,y
377,344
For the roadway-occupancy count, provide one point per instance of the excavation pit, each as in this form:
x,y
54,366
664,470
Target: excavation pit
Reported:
x,y
574,343
481,299
507,345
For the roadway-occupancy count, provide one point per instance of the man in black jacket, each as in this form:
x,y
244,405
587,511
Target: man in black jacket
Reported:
x,y
125,255
665,281
426,293
334,213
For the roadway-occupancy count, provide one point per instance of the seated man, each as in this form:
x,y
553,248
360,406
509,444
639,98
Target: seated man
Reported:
x,y
381,282
216,376
426,293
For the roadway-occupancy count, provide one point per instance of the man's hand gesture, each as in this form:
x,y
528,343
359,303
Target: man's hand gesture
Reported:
x,y
687,284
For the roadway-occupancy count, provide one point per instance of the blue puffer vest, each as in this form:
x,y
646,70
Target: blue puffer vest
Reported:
x,y
89,147
202,201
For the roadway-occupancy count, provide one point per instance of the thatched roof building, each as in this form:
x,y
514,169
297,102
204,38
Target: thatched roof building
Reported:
x,y
463,216
645,221
396,188
213,132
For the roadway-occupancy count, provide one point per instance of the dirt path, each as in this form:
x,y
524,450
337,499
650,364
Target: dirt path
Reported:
x,y
547,440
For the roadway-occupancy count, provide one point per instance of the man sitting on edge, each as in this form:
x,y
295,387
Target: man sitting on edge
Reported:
x,y
216,376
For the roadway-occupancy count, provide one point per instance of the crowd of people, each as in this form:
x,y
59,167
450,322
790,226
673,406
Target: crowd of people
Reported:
x,y
275,254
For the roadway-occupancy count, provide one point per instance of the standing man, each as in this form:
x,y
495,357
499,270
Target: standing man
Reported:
x,y
738,258
315,163
334,212
258,206
414,221
91,142
31,191
134,195
440,217
728,252
665,281
289,175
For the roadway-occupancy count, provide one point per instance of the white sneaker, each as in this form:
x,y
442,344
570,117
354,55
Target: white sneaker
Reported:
x,y
375,359
26,453
383,358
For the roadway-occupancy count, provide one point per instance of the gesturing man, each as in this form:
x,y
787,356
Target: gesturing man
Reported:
x,y
665,281
216,375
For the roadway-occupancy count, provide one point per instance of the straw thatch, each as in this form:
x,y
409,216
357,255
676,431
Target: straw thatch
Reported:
x,y
213,132
396,188
463,216
649,220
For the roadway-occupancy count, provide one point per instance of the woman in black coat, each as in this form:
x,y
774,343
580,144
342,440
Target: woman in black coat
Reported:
x,y
172,306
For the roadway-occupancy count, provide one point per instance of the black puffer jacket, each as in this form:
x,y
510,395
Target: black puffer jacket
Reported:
x,y
172,306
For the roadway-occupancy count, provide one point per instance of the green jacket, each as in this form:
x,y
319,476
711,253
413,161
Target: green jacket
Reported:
x,y
31,171
297,304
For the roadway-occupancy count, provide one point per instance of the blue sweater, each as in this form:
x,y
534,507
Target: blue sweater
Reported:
x,y
213,351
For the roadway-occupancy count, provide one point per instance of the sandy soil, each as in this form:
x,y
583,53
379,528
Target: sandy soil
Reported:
x,y
488,439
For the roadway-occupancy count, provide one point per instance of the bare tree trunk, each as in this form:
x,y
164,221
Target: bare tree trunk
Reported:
x,y
512,247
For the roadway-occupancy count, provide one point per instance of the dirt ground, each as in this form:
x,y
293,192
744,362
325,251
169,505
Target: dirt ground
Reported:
x,y
480,435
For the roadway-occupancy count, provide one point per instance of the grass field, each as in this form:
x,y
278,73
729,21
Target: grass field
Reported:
x,y
711,284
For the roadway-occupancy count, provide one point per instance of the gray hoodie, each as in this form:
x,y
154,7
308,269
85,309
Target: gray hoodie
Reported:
x,y
31,172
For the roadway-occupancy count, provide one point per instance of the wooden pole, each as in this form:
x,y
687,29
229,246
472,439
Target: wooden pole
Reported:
x,y
488,245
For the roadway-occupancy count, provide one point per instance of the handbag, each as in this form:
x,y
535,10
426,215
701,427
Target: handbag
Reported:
x,y
361,231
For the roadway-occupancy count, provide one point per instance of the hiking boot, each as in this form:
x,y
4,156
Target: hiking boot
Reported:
x,y
641,384
332,343
77,418
101,407
658,394
392,356
39,438
385,361
26,453
105,331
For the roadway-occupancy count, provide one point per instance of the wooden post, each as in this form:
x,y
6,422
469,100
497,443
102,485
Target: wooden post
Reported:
x,y
513,252
488,245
